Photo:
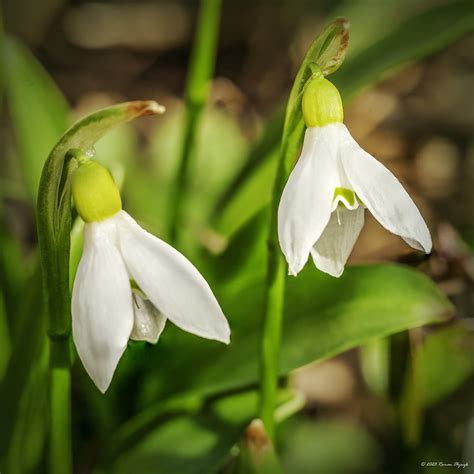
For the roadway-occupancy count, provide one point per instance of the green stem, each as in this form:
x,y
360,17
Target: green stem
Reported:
x,y
54,235
60,453
274,299
201,70
54,238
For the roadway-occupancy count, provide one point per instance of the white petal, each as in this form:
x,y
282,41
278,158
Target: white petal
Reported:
x,y
171,282
331,251
148,323
102,313
306,201
383,195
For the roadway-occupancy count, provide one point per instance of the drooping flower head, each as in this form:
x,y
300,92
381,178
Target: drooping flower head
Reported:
x,y
128,282
321,211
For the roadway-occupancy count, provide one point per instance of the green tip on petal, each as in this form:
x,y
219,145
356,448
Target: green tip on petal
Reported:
x,y
321,103
345,197
95,193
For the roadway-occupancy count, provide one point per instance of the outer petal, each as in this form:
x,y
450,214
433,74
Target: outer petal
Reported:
x,y
102,312
383,195
171,282
331,251
148,323
305,204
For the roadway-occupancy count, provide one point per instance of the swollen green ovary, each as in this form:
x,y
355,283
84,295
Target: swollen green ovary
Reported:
x,y
95,193
321,103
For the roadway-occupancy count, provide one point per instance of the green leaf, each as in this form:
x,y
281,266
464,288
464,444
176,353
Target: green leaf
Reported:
x,y
331,446
28,440
446,362
438,367
375,356
14,272
27,343
417,38
197,442
192,443
218,136
243,255
249,199
265,145
198,80
324,316
38,110
5,346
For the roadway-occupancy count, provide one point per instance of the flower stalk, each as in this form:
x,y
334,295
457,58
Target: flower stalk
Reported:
x,y
273,311
54,227
324,56
201,70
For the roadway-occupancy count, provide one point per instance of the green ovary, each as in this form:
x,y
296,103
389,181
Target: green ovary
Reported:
x,y
321,103
95,193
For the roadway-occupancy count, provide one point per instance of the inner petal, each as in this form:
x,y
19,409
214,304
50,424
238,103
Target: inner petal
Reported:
x,y
331,251
148,322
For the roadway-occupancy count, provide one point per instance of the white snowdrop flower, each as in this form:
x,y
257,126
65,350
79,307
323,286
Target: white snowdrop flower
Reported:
x,y
321,210
129,282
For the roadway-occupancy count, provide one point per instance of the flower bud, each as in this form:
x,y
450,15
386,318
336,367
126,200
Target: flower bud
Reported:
x,y
95,193
321,103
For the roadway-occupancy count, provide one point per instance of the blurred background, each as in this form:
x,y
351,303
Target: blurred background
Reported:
x,y
64,59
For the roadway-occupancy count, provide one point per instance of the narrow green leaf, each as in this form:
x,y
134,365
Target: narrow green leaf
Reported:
x,y
417,38
244,255
446,363
28,440
5,345
2,62
190,444
324,317
332,445
375,364
38,110
201,70
264,146
251,198
26,346
197,442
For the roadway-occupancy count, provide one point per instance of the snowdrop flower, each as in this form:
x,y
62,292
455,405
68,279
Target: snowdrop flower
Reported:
x,y
321,211
129,282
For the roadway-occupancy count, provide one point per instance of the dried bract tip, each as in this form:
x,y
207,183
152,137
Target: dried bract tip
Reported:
x,y
145,107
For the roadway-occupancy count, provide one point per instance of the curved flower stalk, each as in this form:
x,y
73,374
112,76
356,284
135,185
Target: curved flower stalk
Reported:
x,y
129,282
321,210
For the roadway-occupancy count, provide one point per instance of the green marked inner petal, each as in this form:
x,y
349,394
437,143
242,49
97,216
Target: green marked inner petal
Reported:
x,y
134,285
346,194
